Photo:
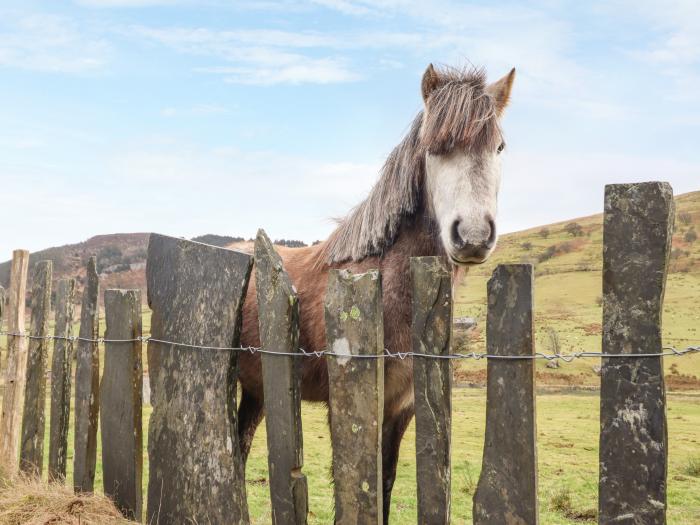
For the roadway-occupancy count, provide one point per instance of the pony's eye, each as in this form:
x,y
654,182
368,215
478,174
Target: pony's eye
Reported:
x,y
501,147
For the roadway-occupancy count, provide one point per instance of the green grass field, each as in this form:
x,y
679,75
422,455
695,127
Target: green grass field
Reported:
x,y
567,431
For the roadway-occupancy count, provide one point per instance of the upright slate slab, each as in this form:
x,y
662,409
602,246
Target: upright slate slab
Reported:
x,y
507,488
16,366
638,227
354,326
2,305
278,316
87,384
61,379
196,293
431,281
120,402
31,455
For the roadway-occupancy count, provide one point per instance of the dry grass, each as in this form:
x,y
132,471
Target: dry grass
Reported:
x,y
28,501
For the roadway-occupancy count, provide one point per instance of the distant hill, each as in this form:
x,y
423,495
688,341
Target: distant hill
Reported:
x,y
568,295
121,260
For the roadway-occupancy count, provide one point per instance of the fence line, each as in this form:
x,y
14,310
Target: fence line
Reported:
x,y
196,471
668,351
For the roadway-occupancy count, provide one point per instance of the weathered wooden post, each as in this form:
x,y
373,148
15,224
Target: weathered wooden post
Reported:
x,y
278,315
354,327
61,379
432,386
507,488
120,402
87,384
31,457
196,293
633,437
11,417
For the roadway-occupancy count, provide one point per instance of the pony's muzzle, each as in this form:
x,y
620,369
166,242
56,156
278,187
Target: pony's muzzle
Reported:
x,y
472,244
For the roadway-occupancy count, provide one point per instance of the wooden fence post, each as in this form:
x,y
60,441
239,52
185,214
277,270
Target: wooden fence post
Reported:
x,y
278,315
638,227
61,380
15,368
196,293
120,402
31,457
432,385
507,488
87,384
354,326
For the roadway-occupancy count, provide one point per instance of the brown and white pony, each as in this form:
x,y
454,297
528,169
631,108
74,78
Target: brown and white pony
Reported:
x,y
436,195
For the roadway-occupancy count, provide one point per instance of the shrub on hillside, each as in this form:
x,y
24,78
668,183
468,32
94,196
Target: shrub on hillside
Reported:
x,y
690,236
527,246
685,217
554,250
544,233
546,255
574,229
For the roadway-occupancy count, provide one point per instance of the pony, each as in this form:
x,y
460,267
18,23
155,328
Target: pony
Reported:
x,y
436,195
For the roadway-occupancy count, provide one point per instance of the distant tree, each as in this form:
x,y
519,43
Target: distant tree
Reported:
x,y
685,217
574,229
290,243
544,233
690,236
110,252
217,240
108,256
316,242
527,246
550,252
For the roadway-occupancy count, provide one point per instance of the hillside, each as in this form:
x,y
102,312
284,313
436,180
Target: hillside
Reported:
x,y
121,260
568,259
568,293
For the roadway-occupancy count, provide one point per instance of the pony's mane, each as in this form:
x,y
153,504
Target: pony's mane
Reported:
x,y
460,114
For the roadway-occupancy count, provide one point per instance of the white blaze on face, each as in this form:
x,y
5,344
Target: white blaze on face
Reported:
x,y
463,193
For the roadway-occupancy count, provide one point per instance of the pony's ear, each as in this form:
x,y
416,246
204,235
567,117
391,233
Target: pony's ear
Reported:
x,y
430,82
500,91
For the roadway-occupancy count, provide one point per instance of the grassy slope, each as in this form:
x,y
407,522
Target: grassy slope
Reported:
x,y
568,290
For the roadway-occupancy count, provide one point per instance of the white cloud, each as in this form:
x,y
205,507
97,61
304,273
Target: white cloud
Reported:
x,y
126,3
48,43
300,71
257,57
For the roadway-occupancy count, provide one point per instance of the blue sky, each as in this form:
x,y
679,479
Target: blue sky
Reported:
x,y
212,116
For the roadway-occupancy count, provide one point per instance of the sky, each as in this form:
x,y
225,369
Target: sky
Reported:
x,y
220,116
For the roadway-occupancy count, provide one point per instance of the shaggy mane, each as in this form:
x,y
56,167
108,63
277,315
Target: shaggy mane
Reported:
x,y
459,114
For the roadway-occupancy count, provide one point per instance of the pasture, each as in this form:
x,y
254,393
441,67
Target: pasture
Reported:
x,y
567,428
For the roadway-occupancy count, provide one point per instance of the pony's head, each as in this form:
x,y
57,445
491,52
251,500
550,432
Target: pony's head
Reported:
x,y
461,139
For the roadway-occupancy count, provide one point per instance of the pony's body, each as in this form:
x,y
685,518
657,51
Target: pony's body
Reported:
x,y
400,219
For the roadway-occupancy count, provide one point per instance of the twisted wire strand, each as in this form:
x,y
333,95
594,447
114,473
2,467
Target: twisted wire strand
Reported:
x,y
666,351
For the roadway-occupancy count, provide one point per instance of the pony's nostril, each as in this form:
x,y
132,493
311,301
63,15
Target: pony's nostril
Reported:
x,y
456,237
492,234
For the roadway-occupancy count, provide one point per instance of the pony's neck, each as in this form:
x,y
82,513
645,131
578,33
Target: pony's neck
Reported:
x,y
417,237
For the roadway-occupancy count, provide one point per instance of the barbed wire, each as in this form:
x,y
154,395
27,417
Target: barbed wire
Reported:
x,y
666,351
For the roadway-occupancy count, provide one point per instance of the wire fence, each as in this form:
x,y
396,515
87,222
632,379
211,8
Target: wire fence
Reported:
x,y
666,351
